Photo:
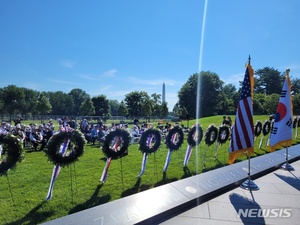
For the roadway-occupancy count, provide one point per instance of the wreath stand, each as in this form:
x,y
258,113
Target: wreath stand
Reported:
x,y
71,179
211,136
14,154
286,165
249,184
195,136
147,147
115,145
174,140
10,192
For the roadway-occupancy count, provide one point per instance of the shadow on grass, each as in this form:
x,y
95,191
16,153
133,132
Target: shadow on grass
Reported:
x,y
94,200
136,188
187,172
33,216
165,180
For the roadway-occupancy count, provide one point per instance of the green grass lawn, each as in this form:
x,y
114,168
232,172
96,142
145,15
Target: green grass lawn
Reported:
x,y
23,190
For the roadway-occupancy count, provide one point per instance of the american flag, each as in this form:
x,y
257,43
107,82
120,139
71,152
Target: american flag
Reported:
x,y
242,140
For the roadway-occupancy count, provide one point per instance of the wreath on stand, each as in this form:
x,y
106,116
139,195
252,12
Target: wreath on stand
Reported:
x,y
266,127
295,122
174,145
224,133
257,128
211,135
119,138
12,153
195,135
155,142
74,151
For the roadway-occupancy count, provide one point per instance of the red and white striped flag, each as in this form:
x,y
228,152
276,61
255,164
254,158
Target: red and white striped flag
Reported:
x,y
282,130
242,140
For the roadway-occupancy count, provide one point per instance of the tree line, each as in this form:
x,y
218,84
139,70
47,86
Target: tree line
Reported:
x,y
216,97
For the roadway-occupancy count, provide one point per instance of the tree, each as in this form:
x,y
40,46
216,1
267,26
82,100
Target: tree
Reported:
x,y
156,106
147,107
62,103
210,94
101,104
122,111
258,103
87,108
114,107
295,86
271,103
164,110
296,104
13,99
79,96
43,105
31,99
134,101
268,81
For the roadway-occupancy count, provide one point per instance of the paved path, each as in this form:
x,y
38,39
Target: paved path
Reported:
x,y
278,197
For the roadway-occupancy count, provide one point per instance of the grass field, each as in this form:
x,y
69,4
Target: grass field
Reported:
x,y
23,190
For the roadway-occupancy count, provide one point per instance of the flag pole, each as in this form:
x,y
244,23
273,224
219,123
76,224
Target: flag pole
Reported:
x,y
286,165
249,184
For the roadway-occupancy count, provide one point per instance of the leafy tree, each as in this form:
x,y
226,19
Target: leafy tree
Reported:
x,y
156,107
296,104
122,111
101,104
43,105
295,86
210,94
271,103
134,101
114,107
258,103
31,99
164,110
268,81
87,108
79,96
13,99
147,107
62,103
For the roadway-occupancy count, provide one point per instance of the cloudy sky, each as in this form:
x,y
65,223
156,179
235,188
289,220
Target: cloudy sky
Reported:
x,y
116,47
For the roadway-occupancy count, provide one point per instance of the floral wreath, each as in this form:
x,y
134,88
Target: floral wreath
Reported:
x,y
258,128
223,135
178,140
77,143
211,134
295,122
266,127
191,139
150,133
14,153
118,137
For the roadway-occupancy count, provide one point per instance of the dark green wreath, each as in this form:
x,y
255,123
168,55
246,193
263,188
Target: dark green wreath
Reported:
x,y
110,152
266,127
76,146
144,139
295,122
174,146
224,133
192,141
211,134
257,128
13,149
